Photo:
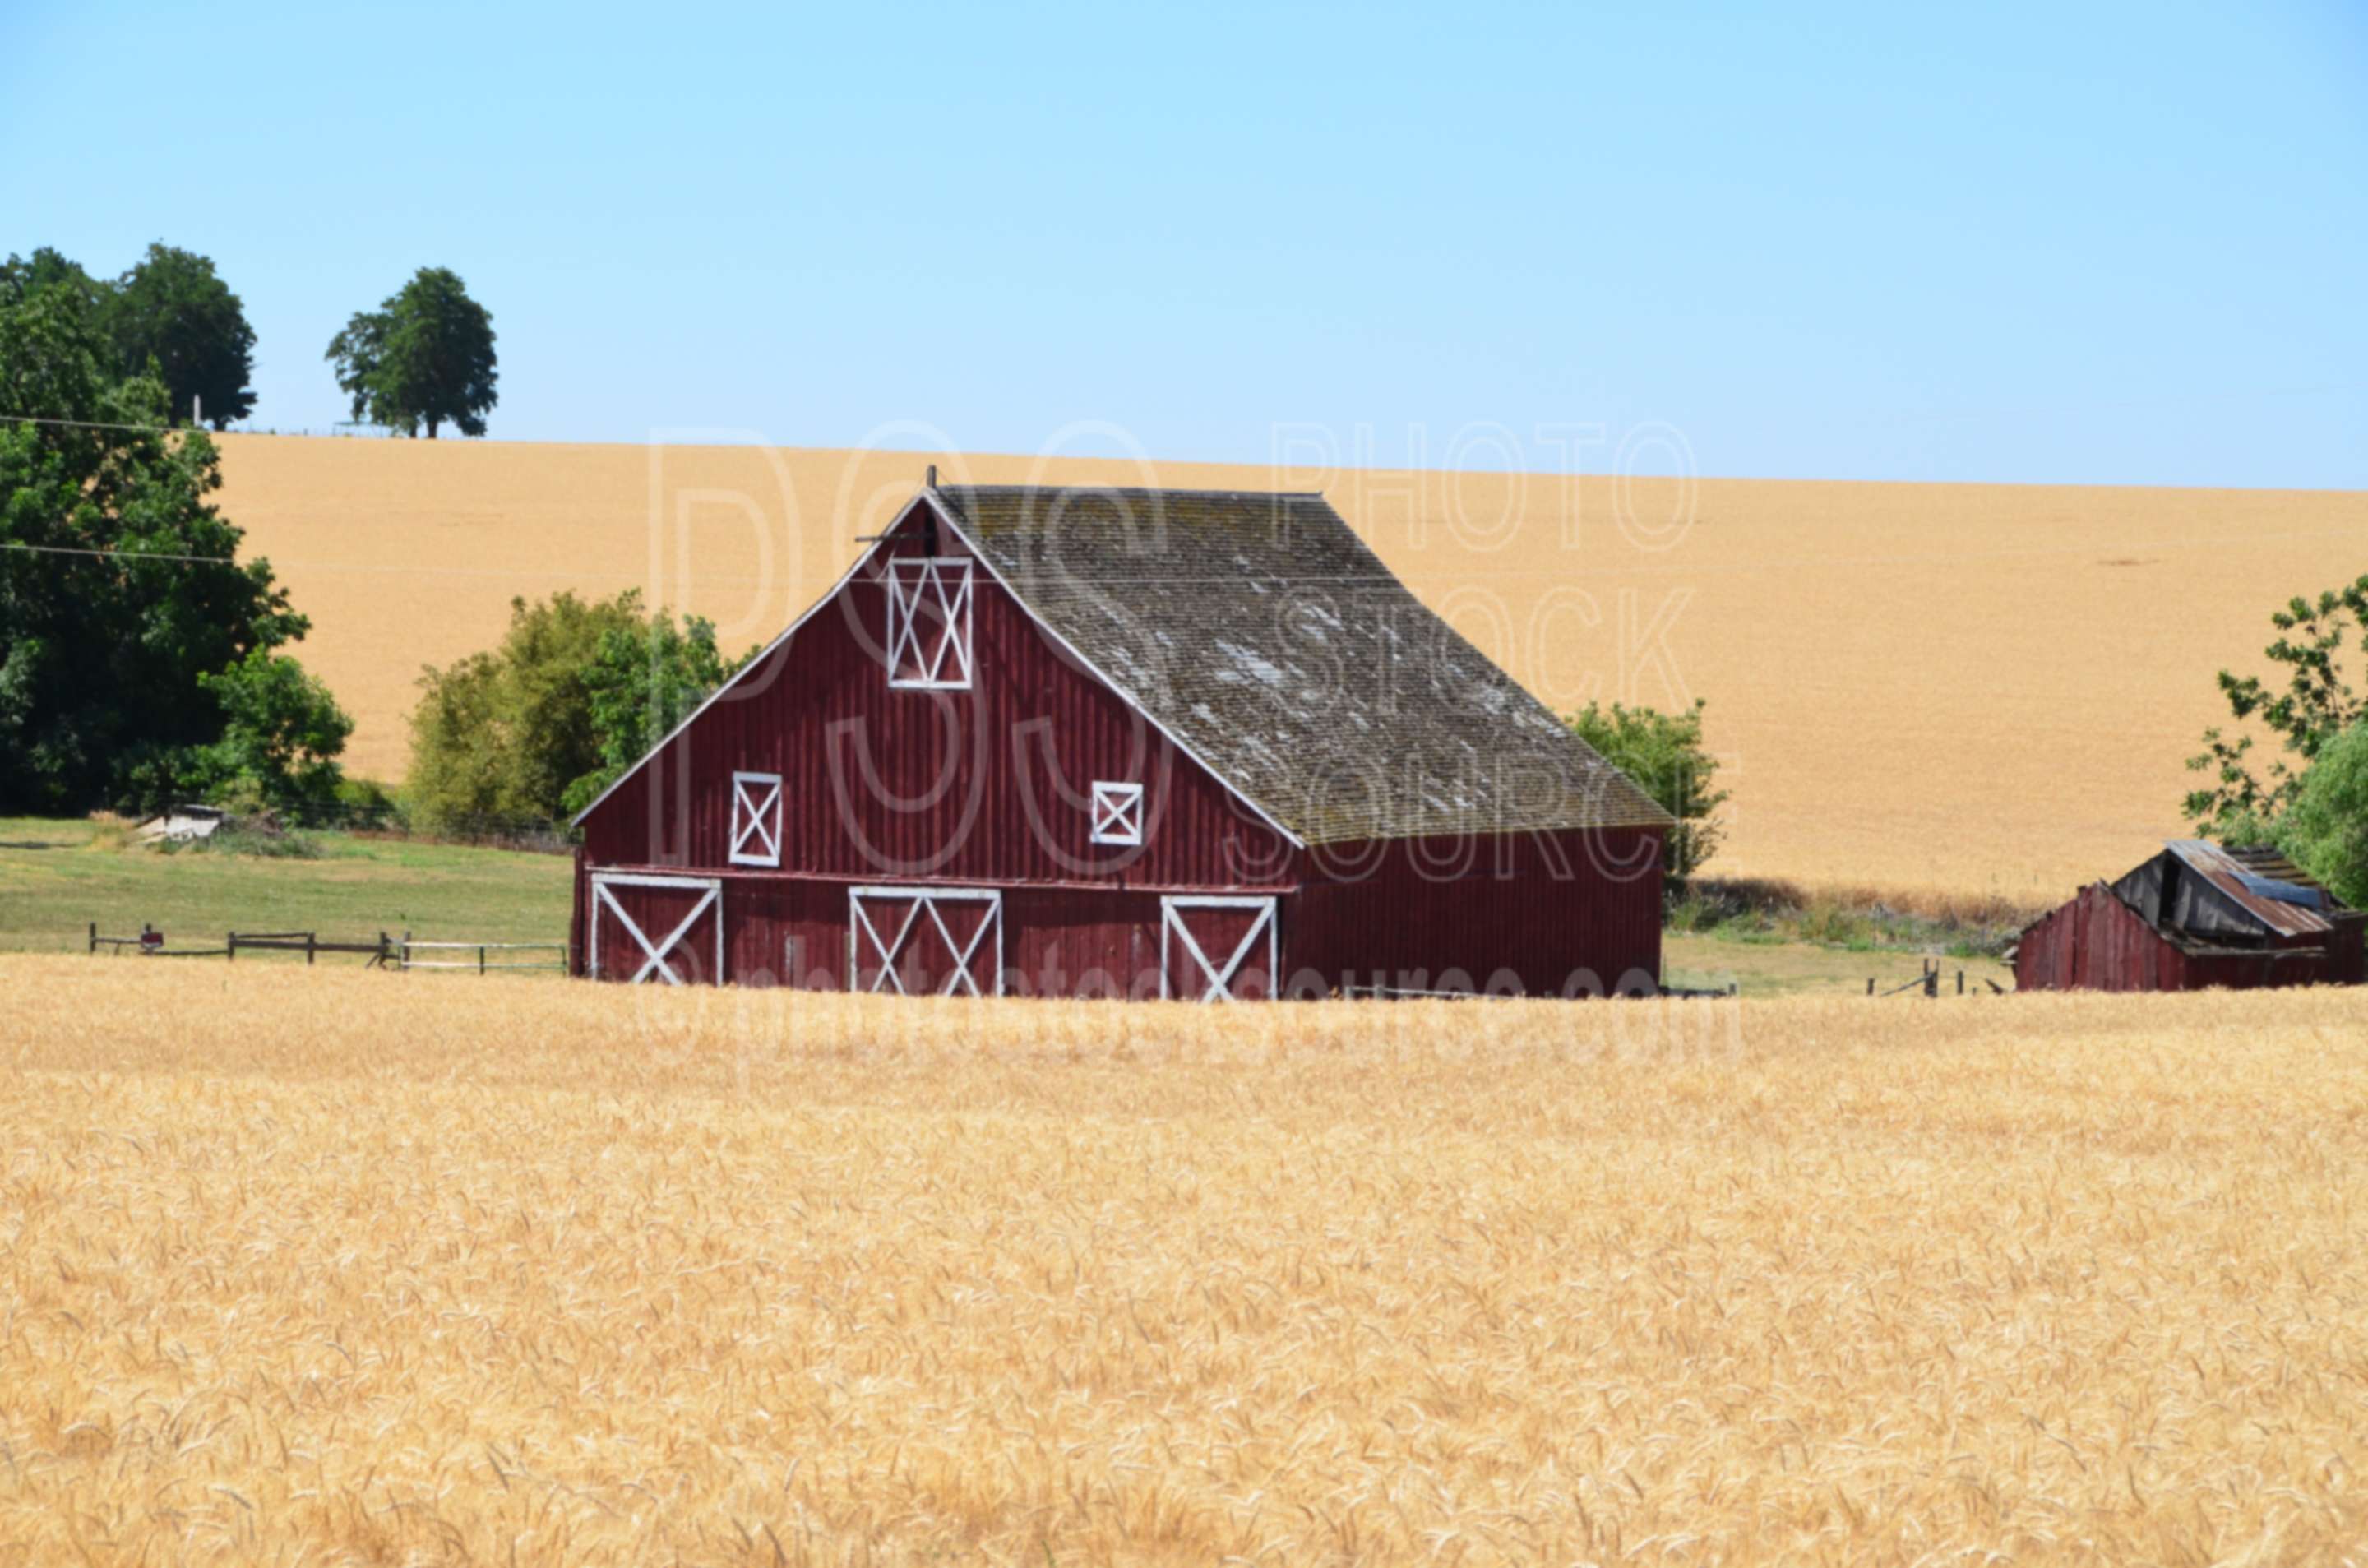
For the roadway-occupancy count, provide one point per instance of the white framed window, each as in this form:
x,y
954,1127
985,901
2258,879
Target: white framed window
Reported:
x,y
756,819
929,622
1118,813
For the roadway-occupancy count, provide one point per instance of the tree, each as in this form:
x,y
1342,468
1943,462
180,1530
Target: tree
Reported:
x,y
424,358
503,734
172,309
281,733
572,696
1663,753
641,688
2318,704
120,591
2325,829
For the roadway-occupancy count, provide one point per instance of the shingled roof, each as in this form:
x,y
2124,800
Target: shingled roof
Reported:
x,y
1259,630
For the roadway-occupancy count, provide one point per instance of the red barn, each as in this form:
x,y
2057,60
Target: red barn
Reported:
x,y
2195,915
1101,742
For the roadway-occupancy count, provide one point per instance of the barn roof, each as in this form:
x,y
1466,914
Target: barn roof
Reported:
x,y
1258,630
2266,885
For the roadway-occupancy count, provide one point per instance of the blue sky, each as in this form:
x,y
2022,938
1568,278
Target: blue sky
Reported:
x,y
2108,244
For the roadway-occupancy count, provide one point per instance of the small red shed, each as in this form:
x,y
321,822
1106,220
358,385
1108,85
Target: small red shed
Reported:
x,y
2193,916
1110,741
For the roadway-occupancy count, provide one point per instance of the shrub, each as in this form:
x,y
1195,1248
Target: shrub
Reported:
x,y
2325,829
574,695
1663,754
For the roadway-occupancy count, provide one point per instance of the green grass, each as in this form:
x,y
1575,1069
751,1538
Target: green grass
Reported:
x,y
1767,965
58,876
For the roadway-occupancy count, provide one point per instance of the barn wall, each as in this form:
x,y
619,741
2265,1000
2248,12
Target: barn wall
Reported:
x,y
2097,942
782,930
1566,913
988,784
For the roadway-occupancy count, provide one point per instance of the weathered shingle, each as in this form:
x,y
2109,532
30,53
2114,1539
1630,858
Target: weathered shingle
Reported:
x,y
1262,632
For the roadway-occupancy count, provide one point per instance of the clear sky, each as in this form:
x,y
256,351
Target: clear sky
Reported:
x,y
2119,244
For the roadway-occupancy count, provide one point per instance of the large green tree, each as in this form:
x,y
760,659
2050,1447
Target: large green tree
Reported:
x,y
2325,829
423,358
577,690
2318,702
172,312
123,608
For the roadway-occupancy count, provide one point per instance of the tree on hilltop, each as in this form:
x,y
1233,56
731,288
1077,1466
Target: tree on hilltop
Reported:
x,y
173,312
424,358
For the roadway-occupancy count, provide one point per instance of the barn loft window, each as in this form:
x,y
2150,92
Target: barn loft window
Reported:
x,y
1118,813
928,623
756,819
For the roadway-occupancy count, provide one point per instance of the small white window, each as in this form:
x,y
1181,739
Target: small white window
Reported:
x,y
1118,813
929,622
756,819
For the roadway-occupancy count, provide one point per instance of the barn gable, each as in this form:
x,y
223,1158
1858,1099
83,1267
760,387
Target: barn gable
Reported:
x,y
1260,636
917,721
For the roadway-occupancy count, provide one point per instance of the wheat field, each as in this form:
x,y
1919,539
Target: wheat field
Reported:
x,y
337,1266
1969,690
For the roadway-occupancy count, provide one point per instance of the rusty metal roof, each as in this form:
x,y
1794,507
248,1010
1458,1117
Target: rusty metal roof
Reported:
x,y
2253,879
1258,627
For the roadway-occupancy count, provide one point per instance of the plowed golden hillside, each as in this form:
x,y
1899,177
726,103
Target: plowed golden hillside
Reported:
x,y
1932,688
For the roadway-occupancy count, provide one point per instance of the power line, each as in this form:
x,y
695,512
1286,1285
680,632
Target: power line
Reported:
x,y
117,554
92,423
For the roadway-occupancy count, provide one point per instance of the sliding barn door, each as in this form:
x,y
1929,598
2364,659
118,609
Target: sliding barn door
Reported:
x,y
652,930
926,941
1217,948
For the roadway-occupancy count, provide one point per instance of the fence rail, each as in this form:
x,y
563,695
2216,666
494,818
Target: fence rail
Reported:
x,y
406,947
383,952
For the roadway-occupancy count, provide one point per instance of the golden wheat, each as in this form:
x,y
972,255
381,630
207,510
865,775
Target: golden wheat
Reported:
x,y
1961,689
337,1266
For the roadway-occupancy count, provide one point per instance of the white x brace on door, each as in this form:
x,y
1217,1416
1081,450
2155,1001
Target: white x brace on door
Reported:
x,y
942,934
1191,928
658,958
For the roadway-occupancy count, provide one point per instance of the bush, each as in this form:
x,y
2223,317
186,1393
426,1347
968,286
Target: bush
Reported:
x,y
2326,830
535,728
1663,754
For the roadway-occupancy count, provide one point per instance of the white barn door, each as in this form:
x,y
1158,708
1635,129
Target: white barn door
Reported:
x,y
653,930
1214,948
925,941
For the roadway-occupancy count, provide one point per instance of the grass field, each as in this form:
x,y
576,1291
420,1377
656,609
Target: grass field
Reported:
x,y
337,1266
58,876
1968,690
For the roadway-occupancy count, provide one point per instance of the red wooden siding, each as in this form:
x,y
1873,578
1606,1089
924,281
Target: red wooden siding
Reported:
x,y
1571,913
2097,942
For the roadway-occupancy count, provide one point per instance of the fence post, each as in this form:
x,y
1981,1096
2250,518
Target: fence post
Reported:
x,y
406,950
1960,982
310,937
94,935
1869,985
229,947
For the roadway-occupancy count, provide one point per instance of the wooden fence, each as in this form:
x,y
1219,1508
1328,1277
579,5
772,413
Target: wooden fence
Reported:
x,y
385,952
